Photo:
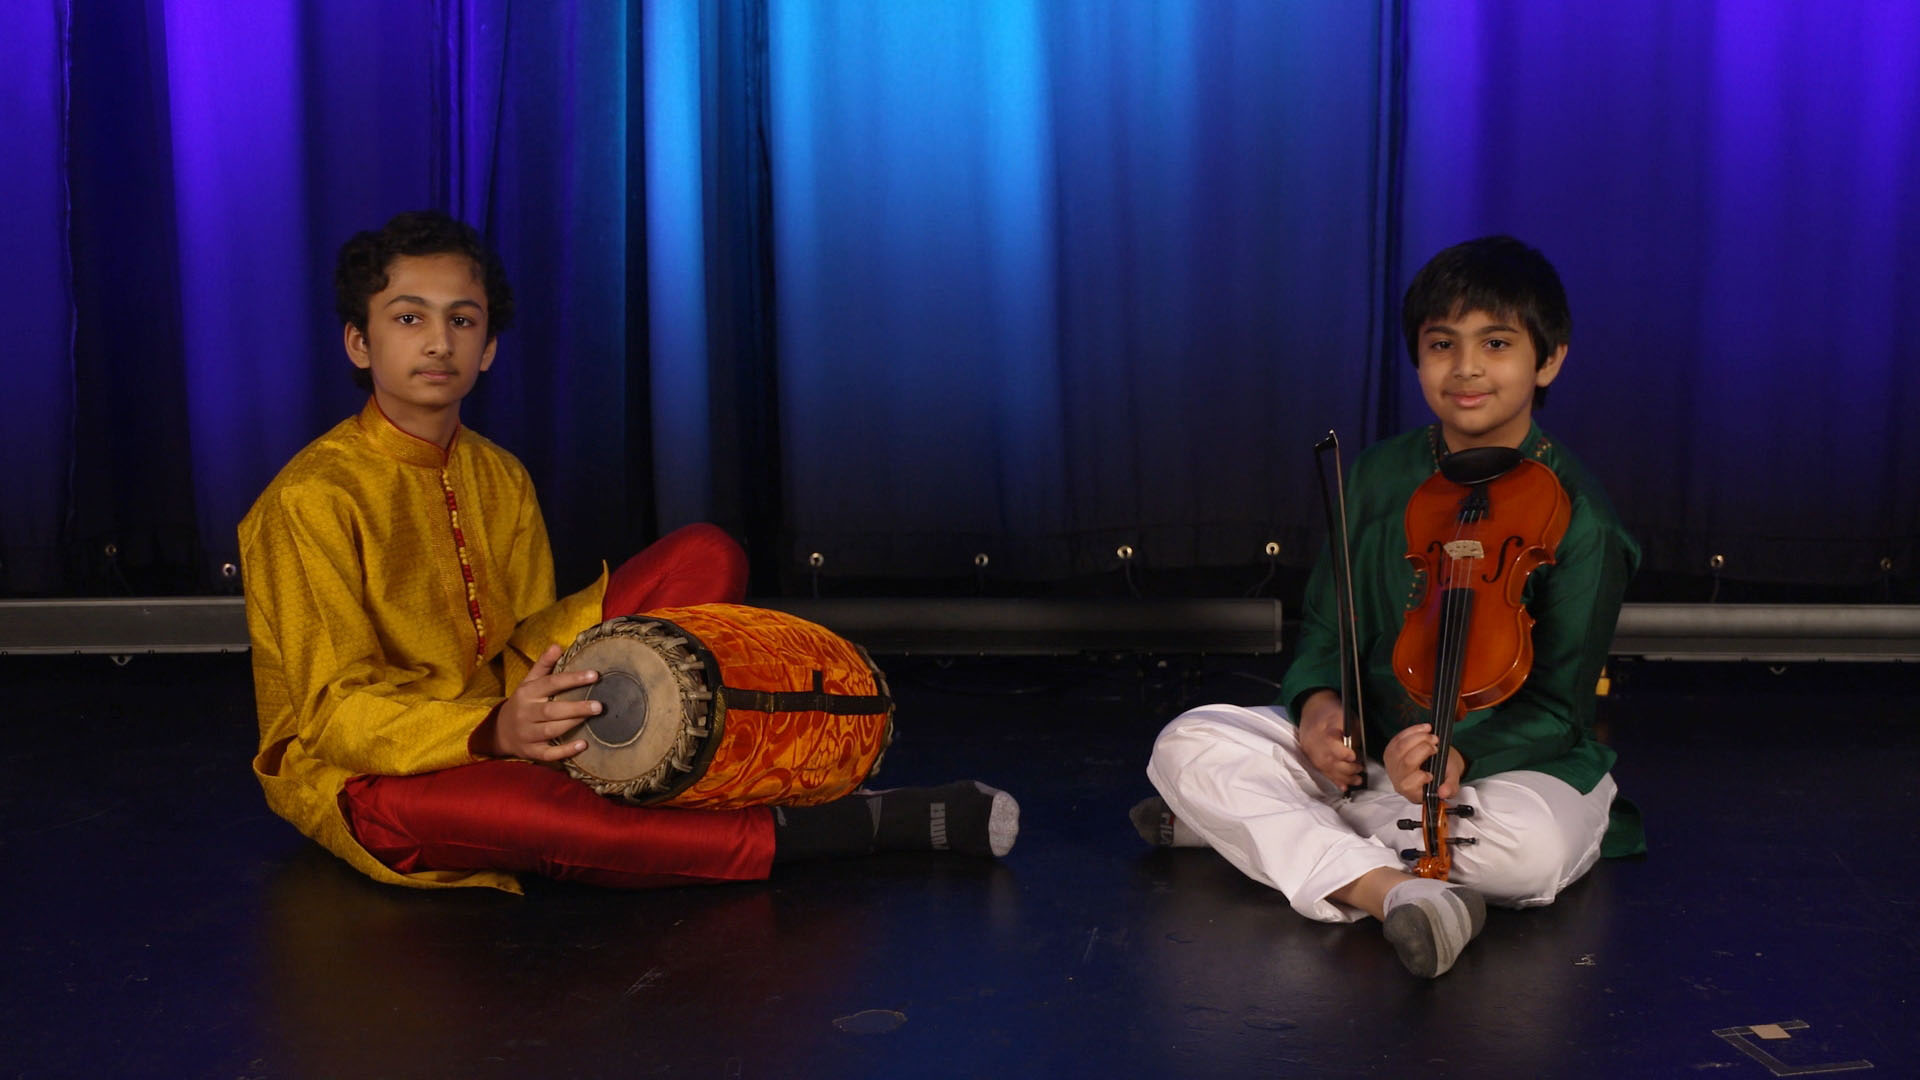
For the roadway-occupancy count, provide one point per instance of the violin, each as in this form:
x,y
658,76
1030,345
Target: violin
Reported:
x,y
1476,530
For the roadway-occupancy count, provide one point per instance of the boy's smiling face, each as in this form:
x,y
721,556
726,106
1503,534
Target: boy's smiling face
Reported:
x,y
426,342
1478,372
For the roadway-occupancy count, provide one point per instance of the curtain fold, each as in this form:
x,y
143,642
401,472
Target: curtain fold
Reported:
x,y
36,280
557,204
237,173
744,423
128,516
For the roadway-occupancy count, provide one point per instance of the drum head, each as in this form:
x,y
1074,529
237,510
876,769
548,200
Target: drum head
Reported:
x,y
652,696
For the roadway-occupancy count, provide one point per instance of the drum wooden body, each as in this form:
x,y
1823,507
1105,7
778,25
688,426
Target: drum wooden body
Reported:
x,y
716,706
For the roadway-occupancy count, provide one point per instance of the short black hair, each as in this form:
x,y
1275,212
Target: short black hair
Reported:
x,y
1498,275
361,269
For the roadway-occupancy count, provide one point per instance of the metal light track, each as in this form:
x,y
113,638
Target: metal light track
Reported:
x,y
1775,633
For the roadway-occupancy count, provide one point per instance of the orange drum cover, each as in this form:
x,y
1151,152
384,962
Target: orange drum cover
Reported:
x,y
716,706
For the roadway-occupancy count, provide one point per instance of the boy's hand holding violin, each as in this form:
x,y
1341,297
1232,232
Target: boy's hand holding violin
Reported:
x,y
1323,740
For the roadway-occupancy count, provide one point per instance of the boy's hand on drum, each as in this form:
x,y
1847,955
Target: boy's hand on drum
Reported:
x,y
529,720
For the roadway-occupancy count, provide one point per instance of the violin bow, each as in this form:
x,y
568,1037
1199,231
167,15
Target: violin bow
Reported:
x,y
1334,502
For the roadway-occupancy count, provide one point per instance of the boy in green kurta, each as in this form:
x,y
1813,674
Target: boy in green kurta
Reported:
x,y
1487,325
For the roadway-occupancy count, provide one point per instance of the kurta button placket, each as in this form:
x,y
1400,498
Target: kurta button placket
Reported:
x,y
466,569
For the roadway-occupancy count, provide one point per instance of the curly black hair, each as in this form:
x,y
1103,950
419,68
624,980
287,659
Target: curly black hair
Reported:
x,y
361,269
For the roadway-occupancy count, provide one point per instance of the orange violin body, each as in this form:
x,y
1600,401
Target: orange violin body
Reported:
x,y
1528,516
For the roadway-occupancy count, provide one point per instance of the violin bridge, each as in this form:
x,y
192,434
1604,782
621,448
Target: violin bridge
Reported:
x,y
1464,549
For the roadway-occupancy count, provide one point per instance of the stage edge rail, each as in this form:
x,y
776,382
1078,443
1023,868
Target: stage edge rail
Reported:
x,y
1776,633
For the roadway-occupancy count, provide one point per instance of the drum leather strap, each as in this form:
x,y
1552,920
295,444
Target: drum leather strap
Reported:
x,y
814,700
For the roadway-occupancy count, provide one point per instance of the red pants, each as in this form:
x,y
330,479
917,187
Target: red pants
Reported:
x,y
694,564
525,818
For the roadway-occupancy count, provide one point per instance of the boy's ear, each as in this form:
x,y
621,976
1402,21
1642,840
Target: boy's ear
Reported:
x,y
486,357
356,342
1550,370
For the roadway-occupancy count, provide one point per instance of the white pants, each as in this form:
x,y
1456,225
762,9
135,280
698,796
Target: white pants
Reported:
x,y
1237,777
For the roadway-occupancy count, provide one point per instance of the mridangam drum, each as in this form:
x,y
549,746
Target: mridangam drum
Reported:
x,y
721,705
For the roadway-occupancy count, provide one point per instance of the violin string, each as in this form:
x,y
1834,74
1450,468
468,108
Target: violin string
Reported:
x,y
1455,618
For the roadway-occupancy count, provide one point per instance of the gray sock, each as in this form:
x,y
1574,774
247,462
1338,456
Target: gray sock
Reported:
x,y
1154,820
1430,922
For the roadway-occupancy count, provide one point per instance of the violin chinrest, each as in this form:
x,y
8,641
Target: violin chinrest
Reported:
x,y
1479,464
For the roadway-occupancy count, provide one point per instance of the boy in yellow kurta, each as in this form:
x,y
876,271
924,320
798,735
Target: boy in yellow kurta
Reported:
x,y
400,603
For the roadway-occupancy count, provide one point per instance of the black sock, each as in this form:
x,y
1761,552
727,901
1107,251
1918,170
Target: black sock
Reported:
x,y
966,817
841,827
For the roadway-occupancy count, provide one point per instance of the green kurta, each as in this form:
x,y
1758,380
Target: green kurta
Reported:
x,y
1546,726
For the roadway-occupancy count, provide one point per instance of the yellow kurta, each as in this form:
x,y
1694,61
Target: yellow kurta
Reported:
x,y
371,653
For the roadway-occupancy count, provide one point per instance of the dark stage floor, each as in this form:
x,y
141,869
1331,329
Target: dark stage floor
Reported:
x,y
162,923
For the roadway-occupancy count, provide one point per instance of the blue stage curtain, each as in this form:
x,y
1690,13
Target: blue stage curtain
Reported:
x,y
1056,276
180,179
36,289
905,283
1059,276
1729,192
